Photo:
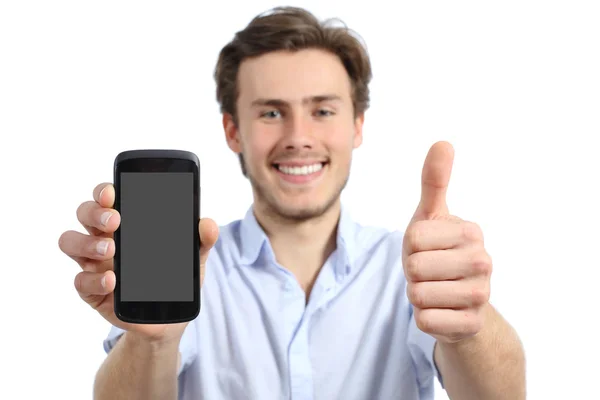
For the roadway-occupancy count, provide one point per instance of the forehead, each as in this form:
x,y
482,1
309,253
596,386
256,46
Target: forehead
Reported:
x,y
293,75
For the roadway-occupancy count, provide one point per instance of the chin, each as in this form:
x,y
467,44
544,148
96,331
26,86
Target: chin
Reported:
x,y
298,198
299,213
302,206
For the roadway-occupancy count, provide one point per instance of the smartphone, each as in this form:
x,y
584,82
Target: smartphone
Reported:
x,y
157,258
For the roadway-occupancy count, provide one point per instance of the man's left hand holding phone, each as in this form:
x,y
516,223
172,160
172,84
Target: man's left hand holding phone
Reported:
x,y
96,283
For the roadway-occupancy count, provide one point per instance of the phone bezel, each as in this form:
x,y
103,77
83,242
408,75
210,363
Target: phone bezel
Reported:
x,y
159,312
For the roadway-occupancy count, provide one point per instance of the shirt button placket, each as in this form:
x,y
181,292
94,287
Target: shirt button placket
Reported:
x,y
301,384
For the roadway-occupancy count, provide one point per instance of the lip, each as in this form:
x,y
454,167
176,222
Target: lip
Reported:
x,y
301,179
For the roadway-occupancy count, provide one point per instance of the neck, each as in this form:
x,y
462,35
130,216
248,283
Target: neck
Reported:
x,y
302,247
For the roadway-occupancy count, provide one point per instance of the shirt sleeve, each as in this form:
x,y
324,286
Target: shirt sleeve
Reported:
x,y
421,346
188,346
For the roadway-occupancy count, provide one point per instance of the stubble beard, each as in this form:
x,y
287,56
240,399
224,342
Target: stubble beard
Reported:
x,y
293,213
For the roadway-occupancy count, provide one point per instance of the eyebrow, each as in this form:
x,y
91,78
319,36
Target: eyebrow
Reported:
x,y
306,100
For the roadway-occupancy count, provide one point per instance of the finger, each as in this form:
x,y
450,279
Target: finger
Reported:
x,y
86,264
97,219
89,265
97,265
76,244
461,294
435,178
104,195
90,284
209,233
441,265
449,323
426,235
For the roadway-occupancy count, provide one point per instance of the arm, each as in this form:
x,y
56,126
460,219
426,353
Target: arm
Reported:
x,y
489,365
138,369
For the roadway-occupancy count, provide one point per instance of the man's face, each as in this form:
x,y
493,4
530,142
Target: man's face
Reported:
x,y
296,130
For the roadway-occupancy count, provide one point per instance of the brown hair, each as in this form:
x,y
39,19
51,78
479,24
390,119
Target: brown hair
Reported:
x,y
292,29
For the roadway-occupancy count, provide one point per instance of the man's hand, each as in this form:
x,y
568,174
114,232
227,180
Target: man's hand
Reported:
x,y
446,265
94,253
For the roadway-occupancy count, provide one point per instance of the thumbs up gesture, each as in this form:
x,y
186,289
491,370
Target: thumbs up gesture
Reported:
x,y
445,263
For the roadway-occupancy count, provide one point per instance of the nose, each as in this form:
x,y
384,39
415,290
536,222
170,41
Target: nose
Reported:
x,y
298,133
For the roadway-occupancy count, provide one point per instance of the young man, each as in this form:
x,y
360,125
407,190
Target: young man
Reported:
x,y
300,301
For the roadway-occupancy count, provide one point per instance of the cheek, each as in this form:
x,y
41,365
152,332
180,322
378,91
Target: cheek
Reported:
x,y
341,142
256,146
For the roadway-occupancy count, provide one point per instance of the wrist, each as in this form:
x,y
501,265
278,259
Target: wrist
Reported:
x,y
153,346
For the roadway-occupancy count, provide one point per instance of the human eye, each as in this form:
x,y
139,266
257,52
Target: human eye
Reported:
x,y
323,112
271,114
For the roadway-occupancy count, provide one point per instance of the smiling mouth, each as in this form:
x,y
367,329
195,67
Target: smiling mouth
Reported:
x,y
300,170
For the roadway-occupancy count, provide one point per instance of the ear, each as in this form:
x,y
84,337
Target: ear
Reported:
x,y
231,133
358,130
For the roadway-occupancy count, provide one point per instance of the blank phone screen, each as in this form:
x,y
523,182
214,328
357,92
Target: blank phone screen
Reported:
x,y
157,236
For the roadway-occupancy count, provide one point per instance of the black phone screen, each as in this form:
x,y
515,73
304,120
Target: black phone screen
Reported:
x,y
157,236
157,244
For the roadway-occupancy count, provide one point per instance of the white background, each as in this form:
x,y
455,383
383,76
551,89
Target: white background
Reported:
x,y
513,85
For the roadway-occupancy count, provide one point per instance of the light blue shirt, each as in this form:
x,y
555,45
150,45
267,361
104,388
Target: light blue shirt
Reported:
x,y
256,338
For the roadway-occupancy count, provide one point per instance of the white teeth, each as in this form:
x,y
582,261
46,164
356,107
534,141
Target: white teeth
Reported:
x,y
305,170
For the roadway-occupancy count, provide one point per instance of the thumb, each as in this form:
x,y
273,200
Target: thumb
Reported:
x,y
209,233
434,181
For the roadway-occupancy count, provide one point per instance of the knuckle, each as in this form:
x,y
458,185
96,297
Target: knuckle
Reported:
x,y
81,209
423,322
415,295
409,237
413,235
479,295
482,264
78,282
83,212
472,232
413,267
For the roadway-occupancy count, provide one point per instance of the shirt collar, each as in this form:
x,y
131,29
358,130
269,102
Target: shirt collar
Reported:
x,y
254,241
252,238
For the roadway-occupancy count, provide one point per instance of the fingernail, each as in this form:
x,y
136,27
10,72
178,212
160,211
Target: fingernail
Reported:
x,y
102,247
105,217
100,195
103,282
